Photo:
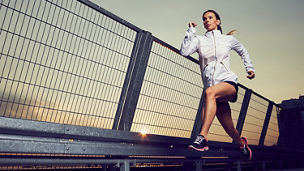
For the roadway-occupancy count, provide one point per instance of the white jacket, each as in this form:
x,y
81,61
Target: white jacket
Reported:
x,y
214,55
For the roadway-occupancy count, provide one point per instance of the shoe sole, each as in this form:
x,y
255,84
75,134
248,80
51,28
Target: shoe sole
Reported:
x,y
246,144
191,147
245,139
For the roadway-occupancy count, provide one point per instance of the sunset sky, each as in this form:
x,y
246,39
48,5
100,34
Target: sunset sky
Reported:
x,y
271,30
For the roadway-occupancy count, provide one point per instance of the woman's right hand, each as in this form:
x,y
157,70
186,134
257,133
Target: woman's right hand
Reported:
x,y
192,24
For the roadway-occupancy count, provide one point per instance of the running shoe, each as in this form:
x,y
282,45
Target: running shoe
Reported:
x,y
245,148
199,144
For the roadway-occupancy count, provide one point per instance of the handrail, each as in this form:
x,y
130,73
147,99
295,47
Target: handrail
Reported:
x,y
70,134
109,14
174,49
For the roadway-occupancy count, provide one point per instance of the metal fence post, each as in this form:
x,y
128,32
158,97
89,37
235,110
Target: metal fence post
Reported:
x,y
243,111
133,81
239,165
125,166
199,165
198,119
266,122
280,141
263,165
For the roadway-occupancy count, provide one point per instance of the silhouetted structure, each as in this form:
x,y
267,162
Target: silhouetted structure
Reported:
x,y
291,122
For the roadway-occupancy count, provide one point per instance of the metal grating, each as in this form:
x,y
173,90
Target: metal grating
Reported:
x,y
61,62
272,133
170,94
255,117
217,132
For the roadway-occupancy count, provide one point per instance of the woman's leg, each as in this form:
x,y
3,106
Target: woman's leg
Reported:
x,y
222,91
223,114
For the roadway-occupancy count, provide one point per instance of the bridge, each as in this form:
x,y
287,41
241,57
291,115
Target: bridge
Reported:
x,y
82,88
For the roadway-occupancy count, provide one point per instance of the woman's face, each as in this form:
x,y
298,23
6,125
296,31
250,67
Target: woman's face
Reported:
x,y
210,21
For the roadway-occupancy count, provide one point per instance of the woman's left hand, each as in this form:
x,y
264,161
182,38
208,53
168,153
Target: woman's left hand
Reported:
x,y
250,75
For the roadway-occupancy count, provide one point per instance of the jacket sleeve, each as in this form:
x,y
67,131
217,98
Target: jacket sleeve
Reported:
x,y
190,43
242,51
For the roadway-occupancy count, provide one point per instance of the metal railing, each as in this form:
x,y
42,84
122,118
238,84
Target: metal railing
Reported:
x,y
72,70
62,62
170,94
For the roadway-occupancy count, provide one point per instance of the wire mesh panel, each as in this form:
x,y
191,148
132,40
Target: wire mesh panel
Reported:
x,y
217,132
254,120
272,133
170,94
62,62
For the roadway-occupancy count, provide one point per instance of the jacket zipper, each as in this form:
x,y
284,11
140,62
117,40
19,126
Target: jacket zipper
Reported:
x,y
205,67
225,66
215,58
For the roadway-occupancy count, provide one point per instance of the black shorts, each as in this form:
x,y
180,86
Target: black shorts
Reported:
x,y
236,90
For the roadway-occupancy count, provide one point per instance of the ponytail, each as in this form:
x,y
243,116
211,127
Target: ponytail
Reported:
x,y
219,28
231,32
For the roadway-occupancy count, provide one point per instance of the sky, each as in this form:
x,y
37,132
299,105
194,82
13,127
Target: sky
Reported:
x,y
271,30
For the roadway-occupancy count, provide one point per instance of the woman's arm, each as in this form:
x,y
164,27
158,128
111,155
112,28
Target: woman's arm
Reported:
x,y
242,51
190,42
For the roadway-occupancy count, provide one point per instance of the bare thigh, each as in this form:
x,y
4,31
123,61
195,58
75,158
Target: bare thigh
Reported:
x,y
223,92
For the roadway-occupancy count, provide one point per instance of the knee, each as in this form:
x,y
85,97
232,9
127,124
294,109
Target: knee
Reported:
x,y
209,94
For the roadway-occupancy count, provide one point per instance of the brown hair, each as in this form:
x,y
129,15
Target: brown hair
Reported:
x,y
217,16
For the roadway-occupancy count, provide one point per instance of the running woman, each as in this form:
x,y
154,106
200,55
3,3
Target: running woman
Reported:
x,y
220,83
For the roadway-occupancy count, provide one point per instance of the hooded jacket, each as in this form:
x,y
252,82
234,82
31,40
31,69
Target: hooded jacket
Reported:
x,y
214,55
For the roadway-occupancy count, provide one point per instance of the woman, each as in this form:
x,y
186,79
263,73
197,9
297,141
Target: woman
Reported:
x,y
219,82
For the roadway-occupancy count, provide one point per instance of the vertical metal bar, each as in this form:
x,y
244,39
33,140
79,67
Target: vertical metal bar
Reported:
x,y
243,111
51,74
104,167
263,165
40,49
18,77
7,65
133,81
28,91
69,65
280,141
198,119
266,122
199,165
126,82
65,57
50,58
125,166
84,50
14,68
238,165
93,70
